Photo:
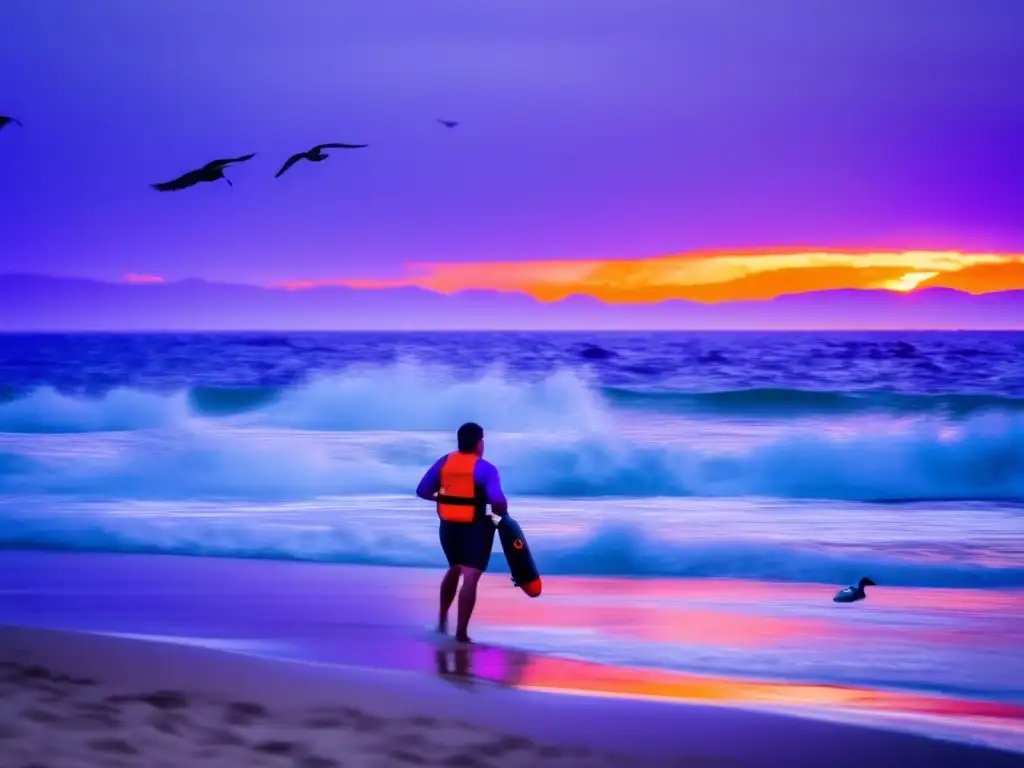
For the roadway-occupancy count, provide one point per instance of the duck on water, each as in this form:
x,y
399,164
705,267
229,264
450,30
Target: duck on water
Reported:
x,y
853,593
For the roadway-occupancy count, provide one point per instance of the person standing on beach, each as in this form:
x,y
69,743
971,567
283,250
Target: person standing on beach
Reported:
x,y
463,484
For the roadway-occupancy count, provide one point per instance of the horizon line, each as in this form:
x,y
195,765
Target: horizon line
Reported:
x,y
155,282
481,332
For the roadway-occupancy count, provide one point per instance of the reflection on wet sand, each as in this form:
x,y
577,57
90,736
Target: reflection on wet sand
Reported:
x,y
961,641
716,641
476,665
466,666
552,673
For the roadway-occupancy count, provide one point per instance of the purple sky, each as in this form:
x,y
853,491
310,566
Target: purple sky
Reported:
x,y
594,128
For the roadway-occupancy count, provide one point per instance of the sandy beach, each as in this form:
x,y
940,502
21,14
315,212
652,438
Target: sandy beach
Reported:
x,y
76,699
135,703
141,660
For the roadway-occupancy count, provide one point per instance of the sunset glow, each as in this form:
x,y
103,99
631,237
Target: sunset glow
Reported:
x,y
710,277
136,278
908,282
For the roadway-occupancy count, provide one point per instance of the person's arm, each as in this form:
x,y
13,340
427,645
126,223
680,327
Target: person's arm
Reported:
x,y
495,496
431,482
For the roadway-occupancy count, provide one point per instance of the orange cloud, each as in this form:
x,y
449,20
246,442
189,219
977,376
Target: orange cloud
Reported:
x,y
713,277
982,278
139,279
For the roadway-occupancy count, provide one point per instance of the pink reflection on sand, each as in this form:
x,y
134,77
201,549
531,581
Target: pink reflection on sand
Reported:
x,y
661,625
467,667
568,675
995,634
730,613
651,591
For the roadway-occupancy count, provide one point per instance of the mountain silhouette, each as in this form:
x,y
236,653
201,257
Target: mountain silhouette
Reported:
x,y
42,303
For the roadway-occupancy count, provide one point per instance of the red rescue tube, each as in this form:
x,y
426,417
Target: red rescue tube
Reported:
x,y
520,562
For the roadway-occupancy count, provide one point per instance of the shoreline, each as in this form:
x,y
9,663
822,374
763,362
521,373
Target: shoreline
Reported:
x,y
547,728
358,634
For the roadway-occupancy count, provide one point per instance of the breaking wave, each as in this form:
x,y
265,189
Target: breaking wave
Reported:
x,y
629,548
412,397
980,459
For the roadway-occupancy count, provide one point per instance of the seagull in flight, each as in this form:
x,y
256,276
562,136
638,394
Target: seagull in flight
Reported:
x,y
5,120
210,172
315,155
448,123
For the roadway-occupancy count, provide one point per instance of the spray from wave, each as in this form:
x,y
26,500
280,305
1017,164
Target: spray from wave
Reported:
x,y
786,403
258,452
46,411
408,396
374,430
982,459
401,397
637,547
411,397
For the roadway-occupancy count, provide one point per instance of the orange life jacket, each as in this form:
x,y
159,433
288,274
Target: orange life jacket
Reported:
x,y
457,499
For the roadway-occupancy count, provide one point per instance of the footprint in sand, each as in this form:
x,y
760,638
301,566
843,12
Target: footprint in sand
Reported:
x,y
158,699
113,746
316,761
244,713
220,737
277,747
39,716
168,723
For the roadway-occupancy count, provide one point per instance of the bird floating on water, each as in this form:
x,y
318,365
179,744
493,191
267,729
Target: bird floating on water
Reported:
x,y
7,120
854,593
315,155
448,123
210,172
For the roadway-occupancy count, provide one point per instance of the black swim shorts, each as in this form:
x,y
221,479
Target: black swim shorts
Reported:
x,y
468,544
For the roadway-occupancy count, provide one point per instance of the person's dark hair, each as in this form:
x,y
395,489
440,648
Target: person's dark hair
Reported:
x,y
469,436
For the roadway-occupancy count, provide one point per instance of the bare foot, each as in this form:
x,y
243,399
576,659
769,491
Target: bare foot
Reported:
x,y
442,627
464,639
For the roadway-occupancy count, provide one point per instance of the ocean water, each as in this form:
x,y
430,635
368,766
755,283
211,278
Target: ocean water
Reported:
x,y
799,460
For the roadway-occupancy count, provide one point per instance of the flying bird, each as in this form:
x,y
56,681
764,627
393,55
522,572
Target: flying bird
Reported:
x,y
209,172
4,120
448,123
315,155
